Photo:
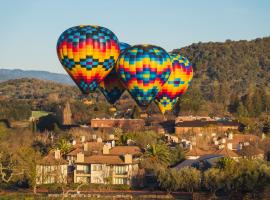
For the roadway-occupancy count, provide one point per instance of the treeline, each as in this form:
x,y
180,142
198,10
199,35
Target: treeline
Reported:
x,y
231,77
227,177
15,110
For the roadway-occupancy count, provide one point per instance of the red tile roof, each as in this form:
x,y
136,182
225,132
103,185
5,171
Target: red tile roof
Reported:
x,y
121,150
104,159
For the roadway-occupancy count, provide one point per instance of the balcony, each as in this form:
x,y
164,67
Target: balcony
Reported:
x,y
82,172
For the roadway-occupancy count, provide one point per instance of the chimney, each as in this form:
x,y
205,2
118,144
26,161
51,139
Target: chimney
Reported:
x,y
85,146
80,157
106,149
57,154
229,145
113,143
190,147
82,138
128,158
94,136
230,136
99,139
221,146
73,142
223,140
239,146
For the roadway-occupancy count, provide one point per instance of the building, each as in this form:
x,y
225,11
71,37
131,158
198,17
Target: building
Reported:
x,y
204,162
106,169
131,124
200,127
251,152
53,169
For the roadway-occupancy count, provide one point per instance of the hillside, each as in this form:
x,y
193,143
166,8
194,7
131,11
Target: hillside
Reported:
x,y
28,88
237,64
8,74
231,78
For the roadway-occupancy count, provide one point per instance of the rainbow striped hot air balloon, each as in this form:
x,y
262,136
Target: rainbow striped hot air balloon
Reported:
x,y
112,87
176,85
88,54
144,69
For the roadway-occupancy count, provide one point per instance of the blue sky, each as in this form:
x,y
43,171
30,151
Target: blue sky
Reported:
x,y
30,28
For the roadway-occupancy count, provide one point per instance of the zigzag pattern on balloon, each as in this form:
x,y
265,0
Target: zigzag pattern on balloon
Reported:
x,y
177,84
144,69
88,53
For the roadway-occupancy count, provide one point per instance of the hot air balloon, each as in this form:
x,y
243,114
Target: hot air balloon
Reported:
x,y
88,54
144,69
123,46
176,85
112,87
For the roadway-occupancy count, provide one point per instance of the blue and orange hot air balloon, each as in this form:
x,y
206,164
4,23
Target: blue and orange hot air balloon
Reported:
x,y
176,85
112,87
144,69
88,54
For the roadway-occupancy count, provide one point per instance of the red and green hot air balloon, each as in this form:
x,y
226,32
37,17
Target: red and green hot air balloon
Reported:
x,y
176,85
143,70
112,87
88,54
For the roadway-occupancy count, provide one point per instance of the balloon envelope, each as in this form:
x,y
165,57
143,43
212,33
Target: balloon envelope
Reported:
x,y
123,46
88,54
112,87
143,70
176,85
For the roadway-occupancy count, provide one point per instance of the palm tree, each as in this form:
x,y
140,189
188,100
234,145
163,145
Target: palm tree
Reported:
x,y
157,154
64,146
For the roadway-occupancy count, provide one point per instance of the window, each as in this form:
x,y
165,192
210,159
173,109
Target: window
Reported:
x,y
120,181
96,167
120,169
83,168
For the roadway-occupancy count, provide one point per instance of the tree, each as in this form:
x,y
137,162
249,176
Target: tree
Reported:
x,y
28,159
64,146
157,153
9,170
190,179
213,180
185,179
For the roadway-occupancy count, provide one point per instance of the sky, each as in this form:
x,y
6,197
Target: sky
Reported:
x,y
30,28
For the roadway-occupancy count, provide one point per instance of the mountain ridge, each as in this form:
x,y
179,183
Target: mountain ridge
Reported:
x,y
10,74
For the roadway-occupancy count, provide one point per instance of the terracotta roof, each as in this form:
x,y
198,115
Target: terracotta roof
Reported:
x,y
104,159
195,151
121,150
92,147
241,138
250,150
227,152
50,160
198,123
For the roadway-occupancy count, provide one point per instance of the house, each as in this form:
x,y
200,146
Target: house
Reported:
x,y
88,148
251,152
53,169
134,124
195,152
106,169
201,127
204,162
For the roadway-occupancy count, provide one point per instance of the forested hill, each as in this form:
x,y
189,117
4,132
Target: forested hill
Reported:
x,y
236,63
234,75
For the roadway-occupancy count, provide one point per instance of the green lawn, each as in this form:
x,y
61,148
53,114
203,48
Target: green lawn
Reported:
x,y
37,114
